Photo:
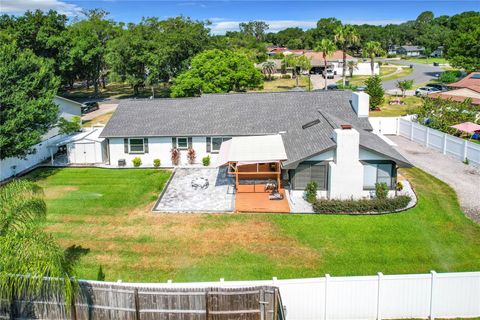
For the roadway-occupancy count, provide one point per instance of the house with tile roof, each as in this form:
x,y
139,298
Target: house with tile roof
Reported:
x,y
466,88
290,137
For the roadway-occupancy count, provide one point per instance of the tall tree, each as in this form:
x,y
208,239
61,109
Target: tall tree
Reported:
x,y
268,68
375,90
371,50
297,64
345,36
27,109
215,71
326,47
256,29
28,253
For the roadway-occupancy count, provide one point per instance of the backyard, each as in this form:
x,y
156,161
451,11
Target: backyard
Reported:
x,y
107,213
394,110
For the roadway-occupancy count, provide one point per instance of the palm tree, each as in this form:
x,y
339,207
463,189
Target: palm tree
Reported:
x,y
352,65
371,50
268,67
345,36
27,253
297,63
327,47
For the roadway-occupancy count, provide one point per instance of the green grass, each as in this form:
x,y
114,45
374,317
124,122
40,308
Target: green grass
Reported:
x,y
428,61
102,119
395,110
386,73
114,90
108,212
279,84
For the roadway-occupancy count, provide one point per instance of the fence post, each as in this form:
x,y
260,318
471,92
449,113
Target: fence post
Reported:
x,y
137,304
411,130
427,134
444,150
327,277
432,282
73,308
397,126
379,309
465,149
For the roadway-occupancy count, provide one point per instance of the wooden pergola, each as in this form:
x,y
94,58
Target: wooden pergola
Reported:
x,y
254,171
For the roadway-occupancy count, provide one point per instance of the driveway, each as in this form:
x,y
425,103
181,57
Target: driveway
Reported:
x,y
180,196
421,73
462,178
103,108
318,82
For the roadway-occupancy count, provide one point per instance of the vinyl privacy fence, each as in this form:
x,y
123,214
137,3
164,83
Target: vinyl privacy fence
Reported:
x,y
447,144
434,295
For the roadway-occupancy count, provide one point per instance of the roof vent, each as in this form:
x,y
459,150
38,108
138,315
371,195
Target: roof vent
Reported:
x,y
346,126
311,123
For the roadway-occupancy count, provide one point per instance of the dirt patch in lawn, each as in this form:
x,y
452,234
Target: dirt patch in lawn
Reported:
x,y
55,192
144,240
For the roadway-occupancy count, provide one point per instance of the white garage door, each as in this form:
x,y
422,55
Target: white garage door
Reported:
x,y
82,153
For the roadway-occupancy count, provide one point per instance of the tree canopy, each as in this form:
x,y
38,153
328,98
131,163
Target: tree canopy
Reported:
x,y
216,71
26,98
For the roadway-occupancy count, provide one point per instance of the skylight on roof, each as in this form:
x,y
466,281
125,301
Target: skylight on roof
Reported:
x,y
311,123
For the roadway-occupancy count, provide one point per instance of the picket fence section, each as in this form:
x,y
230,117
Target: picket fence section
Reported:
x,y
447,144
434,295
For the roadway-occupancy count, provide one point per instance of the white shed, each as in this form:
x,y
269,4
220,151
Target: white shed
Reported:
x,y
85,147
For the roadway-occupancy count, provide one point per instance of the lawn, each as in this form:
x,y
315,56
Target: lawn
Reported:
x,y
102,119
107,212
430,60
279,84
386,73
114,90
395,110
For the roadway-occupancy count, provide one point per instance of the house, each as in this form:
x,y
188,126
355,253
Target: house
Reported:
x,y
411,51
392,49
292,137
11,166
466,88
437,52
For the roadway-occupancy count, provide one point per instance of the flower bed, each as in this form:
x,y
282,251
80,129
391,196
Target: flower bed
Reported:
x,y
363,206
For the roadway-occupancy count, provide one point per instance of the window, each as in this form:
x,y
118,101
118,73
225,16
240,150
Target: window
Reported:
x,y
217,143
136,145
376,173
306,172
182,143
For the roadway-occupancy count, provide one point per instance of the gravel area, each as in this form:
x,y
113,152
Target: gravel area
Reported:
x,y
464,179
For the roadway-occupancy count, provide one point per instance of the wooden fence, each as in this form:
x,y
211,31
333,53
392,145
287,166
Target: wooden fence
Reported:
x,y
96,300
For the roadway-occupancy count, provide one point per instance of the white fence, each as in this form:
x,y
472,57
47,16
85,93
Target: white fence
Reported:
x,y
447,144
434,295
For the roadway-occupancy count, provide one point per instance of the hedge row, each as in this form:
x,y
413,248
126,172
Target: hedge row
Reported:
x,y
361,206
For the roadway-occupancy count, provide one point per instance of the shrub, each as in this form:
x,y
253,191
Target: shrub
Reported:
x,y
449,76
156,163
69,127
399,186
100,274
375,91
191,155
175,156
311,191
137,161
361,206
381,190
286,76
206,161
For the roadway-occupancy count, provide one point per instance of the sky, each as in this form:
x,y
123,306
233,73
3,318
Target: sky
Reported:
x,y
226,15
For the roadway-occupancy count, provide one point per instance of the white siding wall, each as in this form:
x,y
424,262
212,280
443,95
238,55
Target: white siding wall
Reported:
x,y
159,148
363,69
67,109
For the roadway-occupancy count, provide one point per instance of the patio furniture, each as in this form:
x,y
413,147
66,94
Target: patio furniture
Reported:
x,y
200,182
275,196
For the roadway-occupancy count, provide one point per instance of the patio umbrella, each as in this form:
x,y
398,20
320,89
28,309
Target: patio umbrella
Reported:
x,y
468,127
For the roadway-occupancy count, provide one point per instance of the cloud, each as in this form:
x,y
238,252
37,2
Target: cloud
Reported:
x,y
20,6
375,22
220,27
192,4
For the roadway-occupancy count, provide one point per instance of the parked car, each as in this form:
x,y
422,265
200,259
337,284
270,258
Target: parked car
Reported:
x,y
89,107
329,74
438,86
423,91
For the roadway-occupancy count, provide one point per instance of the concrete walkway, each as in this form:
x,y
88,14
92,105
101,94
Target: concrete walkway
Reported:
x,y
464,179
103,108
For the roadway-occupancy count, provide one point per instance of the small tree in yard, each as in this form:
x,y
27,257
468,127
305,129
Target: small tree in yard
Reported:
x,y
69,127
352,65
404,85
381,190
175,156
191,155
375,91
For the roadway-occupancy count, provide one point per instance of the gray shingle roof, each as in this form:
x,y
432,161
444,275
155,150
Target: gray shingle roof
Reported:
x,y
248,114
413,48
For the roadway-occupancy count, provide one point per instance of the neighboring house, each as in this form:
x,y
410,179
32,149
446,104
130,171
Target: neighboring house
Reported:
x,y
304,136
392,49
11,166
411,51
466,88
437,52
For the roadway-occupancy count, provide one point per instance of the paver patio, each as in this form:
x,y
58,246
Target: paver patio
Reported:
x,y
180,196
